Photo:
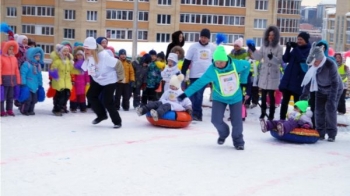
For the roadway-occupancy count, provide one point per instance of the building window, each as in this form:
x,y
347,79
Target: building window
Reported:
x,y
28,29
69,33
91,33
163,19
14,28
163,37
122,34
258,41
11,12
331,24
142,35
48,48
226,3
69,14
91,16
288,25
119,14
38,11
260,23
212,19
348,39
261,4
331,37
191,36
348,25
91,0
45,30
143,16
164,2
284,40
289,7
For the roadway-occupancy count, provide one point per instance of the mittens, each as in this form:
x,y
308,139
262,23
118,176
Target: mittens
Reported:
x,y
54,74
270,55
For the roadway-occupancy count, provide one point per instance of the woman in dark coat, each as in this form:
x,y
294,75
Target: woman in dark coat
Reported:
x,y
295,70
178,39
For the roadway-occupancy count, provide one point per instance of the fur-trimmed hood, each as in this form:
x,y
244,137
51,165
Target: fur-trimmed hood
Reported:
x,y
76,50
6,45
180,50
31,53
276,38
175,38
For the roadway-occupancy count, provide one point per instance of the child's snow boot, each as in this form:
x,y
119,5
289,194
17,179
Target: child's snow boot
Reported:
x,y
154,115
10,113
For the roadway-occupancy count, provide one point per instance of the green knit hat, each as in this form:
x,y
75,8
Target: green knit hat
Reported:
x,y
302,105
220,54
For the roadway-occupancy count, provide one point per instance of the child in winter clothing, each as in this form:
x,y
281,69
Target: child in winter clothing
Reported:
x,y
60,71
299,117
153,82
168,101
123,87
170,70
226,74
32,78
160,62
22,41
153,54
10,76
140,70
81,80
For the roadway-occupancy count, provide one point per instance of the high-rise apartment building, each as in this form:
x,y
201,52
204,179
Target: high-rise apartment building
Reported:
x,y
51,21
336,26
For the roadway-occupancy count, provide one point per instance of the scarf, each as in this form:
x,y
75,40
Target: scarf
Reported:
x,y
311,76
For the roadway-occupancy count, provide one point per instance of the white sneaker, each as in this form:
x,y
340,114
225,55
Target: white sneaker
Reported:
x,y
154,115
139,111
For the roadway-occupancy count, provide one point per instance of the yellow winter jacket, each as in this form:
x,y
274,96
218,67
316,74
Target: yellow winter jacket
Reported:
x,y
65,69
129,74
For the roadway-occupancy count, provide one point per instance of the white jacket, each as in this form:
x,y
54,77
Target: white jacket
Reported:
x,y
167,73
170,96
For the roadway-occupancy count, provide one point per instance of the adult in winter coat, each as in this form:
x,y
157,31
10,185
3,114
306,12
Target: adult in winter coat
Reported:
x,y
178,39
344,72
323,79
10,76
105,72
32,78
226,75
200,56
295,71
269,76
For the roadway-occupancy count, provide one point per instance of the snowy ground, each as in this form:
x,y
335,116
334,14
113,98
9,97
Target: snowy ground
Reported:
x,y
45,155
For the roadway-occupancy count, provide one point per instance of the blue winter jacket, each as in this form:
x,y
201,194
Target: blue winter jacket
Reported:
x,y
293,73
153,76
242,68
31,70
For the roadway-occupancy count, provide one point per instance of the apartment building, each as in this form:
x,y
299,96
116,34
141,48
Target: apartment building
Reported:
x,y
336,26
51,21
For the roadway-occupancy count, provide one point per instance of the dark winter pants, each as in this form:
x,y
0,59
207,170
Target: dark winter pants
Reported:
x,y
136,91
158,106
326,115
254,96
342,104
285,102
288,125
312,105
8,97
217,115
123,90
98,106
79,102
60,100
28,105
197,100
149,94
271,94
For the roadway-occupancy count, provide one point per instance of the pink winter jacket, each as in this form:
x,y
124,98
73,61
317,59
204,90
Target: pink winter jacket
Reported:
x,y
80,80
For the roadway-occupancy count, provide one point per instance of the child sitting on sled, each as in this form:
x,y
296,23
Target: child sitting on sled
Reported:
x,y
168,101
298,118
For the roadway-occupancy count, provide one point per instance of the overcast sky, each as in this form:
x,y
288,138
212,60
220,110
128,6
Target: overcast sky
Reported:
x,y
310,2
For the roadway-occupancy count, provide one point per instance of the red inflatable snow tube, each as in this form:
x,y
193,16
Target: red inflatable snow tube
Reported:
x,y
171,119
298,135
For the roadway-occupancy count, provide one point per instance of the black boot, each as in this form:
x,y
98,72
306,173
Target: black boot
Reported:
x,y
272,113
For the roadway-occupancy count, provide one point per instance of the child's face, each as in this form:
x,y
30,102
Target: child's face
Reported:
x,y
171,63
25,42
80,57
10,51
37,58
145,64
87,52
65,52
154,57
174,88
104,43
159,59
297,109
